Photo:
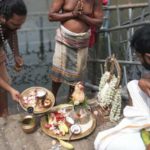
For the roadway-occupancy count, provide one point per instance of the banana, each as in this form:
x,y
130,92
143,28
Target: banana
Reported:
x,y
61,129
66,144
65,127
50,120
145,136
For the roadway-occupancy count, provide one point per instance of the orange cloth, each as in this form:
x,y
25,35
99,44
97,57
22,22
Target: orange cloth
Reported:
x,y
92,39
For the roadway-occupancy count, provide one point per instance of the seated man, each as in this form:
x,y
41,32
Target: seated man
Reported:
x,y
127,134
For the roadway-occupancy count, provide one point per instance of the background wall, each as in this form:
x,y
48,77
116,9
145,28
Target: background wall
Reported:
x,y
36,43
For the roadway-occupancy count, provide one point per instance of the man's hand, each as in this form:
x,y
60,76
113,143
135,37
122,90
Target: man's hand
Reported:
x,y
78,10
144,84
19,62
76,13
15,94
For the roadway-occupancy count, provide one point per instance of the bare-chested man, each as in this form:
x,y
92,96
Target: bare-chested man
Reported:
x,y
72,38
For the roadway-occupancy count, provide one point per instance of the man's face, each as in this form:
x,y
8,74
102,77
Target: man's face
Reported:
x,y
145,60
15,22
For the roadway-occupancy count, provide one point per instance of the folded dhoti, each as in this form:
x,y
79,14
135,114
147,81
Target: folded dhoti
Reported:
x,y
127,134
70,56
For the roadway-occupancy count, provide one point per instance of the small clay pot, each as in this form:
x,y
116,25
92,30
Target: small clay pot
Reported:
x,y
28,124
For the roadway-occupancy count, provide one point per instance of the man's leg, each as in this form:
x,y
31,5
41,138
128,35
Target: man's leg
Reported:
x,y
3,104
71,89
55,87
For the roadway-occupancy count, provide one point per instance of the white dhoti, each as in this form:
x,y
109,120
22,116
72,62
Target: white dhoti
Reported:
x,y
126,135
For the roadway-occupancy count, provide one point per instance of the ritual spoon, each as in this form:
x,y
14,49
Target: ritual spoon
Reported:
x,y
75,130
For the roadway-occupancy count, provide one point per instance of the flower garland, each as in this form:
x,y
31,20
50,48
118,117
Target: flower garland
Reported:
x,y
104,79
115,112
110,96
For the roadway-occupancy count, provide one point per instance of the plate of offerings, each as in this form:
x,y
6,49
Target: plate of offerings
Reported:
x,y
66,123
38,98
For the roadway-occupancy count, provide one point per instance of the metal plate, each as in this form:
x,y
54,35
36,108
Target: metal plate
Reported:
x,y
37,109
83,134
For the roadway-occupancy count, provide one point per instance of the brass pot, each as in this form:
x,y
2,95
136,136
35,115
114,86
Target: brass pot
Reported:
x,y
28,124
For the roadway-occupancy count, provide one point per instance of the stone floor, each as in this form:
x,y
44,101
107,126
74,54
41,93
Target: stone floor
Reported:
x,y
12,136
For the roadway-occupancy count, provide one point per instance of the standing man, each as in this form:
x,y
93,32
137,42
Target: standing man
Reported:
x,y
12,16
72,39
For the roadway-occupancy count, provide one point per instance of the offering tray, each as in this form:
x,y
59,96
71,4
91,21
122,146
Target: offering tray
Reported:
x,y
39,98
86,128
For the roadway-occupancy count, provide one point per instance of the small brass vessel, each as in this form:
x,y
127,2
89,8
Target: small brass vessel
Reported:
x,y
28,124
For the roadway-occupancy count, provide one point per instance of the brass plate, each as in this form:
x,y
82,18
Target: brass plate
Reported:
x,y
66,137
37,110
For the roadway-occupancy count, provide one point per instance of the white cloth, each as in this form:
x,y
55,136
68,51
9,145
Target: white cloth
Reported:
x,y
126,135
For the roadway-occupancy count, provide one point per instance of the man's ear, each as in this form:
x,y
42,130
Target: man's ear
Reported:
x,y
2,19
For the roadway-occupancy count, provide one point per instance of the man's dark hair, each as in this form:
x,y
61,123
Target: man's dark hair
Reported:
x,y
10,7
141,39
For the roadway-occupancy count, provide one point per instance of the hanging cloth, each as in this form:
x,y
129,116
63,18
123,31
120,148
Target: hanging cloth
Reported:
x,y
93,29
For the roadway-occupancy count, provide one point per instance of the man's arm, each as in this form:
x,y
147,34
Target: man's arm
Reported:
x,y
13,42
56,15
14,93
97,17
144,84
